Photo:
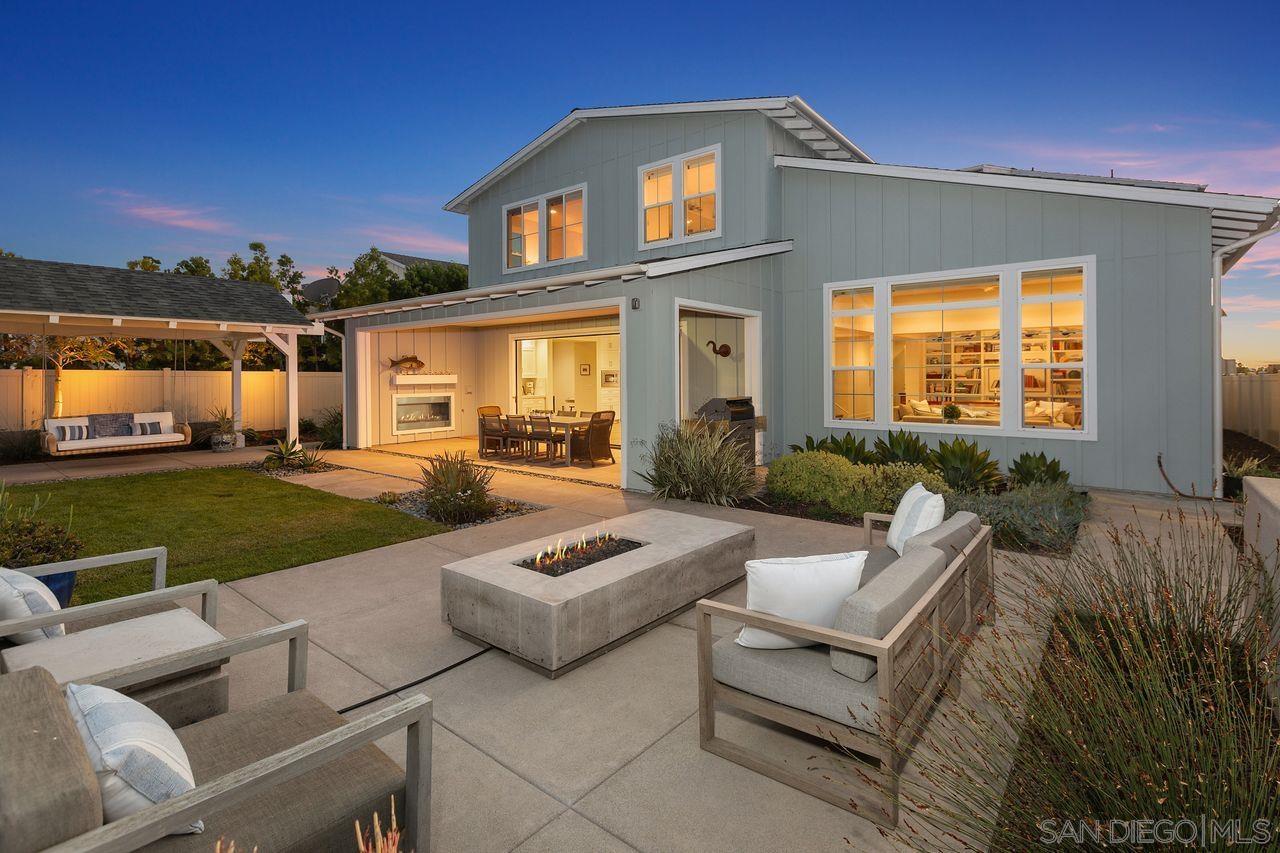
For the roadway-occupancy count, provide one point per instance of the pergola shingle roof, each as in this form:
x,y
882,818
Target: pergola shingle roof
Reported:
x,y
53,287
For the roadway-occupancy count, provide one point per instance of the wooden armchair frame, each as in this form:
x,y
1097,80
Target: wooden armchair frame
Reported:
x,y
914,661
159,557
413,714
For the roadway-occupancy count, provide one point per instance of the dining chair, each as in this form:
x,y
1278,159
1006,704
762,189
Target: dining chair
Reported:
x,y
591,442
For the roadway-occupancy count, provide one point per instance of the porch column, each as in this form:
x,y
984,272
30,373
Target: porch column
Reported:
x,y
287,343
234,350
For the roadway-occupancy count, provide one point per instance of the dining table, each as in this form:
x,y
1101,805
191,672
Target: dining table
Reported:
x,y
566,423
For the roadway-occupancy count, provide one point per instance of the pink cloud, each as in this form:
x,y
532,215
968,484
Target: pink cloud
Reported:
x,y
1250,302
1263,258
1249,170
139,207
392,238
1144,127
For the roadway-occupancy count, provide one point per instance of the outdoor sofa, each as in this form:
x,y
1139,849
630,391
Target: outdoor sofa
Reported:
x,y
872,681
128,630
109,433
287,774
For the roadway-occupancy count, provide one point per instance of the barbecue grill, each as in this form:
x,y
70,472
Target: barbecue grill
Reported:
x,y
741,415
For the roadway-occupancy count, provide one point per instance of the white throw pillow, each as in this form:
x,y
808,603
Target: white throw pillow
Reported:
x,y
804,589
920,407
138,759
22,595
918,511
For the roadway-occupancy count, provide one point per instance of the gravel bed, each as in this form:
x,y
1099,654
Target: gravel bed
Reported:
x,y
287,472
413,503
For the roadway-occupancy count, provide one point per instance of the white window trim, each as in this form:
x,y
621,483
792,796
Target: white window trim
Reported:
x,y
541,201
1010,302
677,199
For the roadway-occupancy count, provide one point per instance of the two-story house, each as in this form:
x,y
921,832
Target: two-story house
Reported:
x,y
646,259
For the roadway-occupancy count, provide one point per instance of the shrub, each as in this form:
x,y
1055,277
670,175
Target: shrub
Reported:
x,y
699,461
26,540
902,446
853,449
1150,701
1041,517
20,445
965,466
835,485
307,426
456,490
1031,469
329,428
310,458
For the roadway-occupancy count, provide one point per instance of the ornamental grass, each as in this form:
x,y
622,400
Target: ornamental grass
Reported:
x,y
1134,680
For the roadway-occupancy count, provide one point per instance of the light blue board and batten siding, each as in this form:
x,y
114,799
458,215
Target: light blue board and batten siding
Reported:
x,y
1154,370
605,154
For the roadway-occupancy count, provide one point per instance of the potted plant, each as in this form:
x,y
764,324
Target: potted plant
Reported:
x,y
222,436
1233,473
951,413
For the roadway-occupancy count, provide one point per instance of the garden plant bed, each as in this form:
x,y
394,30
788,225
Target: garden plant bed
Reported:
x,y
579,555
414,503
1237,445
284,472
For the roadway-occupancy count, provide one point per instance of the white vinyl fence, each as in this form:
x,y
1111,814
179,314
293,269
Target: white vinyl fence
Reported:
x,y
1251,405
26,395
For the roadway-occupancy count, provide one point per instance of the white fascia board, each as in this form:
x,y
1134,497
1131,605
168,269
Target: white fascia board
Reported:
x,y
479,294
1185,198
656,269
119,320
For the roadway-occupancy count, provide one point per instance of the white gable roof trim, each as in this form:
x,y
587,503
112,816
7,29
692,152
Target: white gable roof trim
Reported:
x,y
790,112
551,284
1233,216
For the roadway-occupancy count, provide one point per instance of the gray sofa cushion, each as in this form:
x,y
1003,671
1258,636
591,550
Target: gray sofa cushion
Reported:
x,y
800,678
878,559
48,793
950,537
875,608
317,810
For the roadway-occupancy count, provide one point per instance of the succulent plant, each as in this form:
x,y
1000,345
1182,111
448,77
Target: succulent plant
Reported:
x,y
965,466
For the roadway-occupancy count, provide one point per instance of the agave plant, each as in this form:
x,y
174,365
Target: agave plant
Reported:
x,y
285,453
965,466
853,449
902,446
310,458
1032,469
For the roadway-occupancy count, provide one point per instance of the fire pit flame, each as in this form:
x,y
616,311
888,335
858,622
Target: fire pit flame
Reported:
x,y
559,552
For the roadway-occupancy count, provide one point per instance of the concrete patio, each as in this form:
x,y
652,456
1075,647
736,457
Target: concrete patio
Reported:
x,y
604,758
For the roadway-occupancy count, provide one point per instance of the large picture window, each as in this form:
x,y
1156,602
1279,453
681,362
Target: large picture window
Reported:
x,y
680,198
550,229
1003,350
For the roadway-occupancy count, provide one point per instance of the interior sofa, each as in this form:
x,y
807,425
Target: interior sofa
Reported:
x,y
105,433
872,680
286,774
1066,416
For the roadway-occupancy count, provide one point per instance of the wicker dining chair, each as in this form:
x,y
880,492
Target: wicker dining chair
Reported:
x,y
592,442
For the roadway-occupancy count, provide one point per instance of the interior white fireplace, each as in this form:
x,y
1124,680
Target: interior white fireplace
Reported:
x,y
422,413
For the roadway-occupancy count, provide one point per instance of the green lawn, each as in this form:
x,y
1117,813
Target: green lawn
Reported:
x,y
221,523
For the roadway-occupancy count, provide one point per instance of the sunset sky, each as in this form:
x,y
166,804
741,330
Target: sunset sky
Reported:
x,y
130,129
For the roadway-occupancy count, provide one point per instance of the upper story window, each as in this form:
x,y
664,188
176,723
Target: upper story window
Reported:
x,y
680,198
550,229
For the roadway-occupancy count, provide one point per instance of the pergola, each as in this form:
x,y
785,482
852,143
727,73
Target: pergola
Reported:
x,y
78,300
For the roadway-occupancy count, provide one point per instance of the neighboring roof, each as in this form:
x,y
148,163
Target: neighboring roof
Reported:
x,y
413,260
56,288
989,169
1233,217
321,289
791,112
585,278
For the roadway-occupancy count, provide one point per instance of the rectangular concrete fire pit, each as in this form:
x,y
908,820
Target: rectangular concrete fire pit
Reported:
x,y
555,623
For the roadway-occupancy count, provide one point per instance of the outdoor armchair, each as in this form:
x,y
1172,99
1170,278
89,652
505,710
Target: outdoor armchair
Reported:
x,y
287,774
128,630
